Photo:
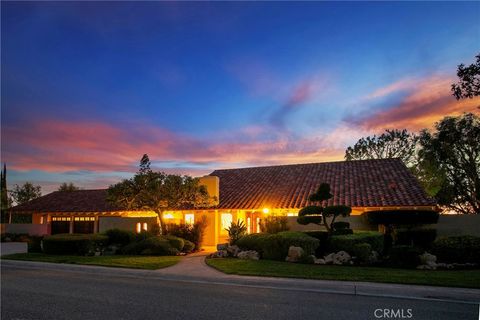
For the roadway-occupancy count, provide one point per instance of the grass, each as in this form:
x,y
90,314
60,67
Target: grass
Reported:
x,y
120,261
268,268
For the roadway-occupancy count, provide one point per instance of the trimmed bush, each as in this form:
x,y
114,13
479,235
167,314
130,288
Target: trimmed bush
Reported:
x,y
404,256
156,245
120,237
35,244
347,242
143,235
324,238
176,242
188,246
274,224
275,246
459,249
193,233
402,217
340,232
340,225
76,244
422,238
362,251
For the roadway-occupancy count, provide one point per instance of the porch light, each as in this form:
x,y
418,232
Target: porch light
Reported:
x,y
266,210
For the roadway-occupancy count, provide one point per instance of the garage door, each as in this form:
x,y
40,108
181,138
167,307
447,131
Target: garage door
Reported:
x,y
60,225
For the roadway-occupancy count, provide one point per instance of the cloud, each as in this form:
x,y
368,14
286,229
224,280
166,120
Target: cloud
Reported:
x,y
426,101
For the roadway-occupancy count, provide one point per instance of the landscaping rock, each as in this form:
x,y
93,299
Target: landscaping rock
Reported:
x,y
329,258
428,258
219,254
233,250
222,246
319,261
294,254
341,257
248,255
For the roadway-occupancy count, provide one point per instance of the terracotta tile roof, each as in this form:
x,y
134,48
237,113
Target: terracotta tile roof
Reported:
x,y
365,183
69,201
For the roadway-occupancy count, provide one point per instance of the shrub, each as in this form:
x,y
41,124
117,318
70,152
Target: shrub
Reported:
x,y
402,217
193,233
275,246
176,242
274,224
35,244
347,242
156,245
324,238
362,251
404,256
188,246
422,238
236,231
340,232
340,225
77,244
460,249
120,237
143,235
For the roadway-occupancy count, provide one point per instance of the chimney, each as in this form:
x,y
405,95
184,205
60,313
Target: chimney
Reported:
x,y
212,183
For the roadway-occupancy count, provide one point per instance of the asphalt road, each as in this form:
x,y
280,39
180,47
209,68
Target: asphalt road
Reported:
x,y
32,293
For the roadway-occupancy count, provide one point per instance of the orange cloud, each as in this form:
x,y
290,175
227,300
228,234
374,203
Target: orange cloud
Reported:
x,y
427,101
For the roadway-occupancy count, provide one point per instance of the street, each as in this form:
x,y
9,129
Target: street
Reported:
x,y
50,293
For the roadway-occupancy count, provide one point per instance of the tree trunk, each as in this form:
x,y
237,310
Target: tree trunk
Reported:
x,y
161,224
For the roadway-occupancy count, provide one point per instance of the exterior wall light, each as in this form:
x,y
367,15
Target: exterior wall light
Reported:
x,y
266,210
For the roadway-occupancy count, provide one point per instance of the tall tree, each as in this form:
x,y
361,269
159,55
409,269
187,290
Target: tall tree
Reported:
x,y
453,150
26,192
468,85
157,191
4,198
68,187
390,144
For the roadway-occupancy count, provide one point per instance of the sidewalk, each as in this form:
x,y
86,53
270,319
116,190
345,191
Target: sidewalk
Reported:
x,y
193,269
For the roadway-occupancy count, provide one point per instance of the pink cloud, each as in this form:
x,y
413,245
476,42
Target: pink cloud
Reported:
x,y
428,101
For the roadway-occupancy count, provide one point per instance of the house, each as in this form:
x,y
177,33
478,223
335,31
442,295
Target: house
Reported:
x,y
247,194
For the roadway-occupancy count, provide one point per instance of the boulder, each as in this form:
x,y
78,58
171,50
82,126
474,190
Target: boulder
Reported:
x,y
248,255
219,254
341,257
233,250
329,258
319,261
294,254
222,246
428,258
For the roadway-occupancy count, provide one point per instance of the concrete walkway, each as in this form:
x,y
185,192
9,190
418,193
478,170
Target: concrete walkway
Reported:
x,y
193,265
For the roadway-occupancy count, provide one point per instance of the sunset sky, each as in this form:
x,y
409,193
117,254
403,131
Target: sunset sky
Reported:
x,y
88,88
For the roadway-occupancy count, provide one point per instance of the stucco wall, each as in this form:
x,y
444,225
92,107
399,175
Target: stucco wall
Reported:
x,y
451,225
106,223
29,228
356,223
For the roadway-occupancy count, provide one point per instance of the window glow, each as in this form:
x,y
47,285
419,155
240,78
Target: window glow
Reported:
x,y
189,218
258,224
168,216
249,226
139,227
145,226
226,219
292,214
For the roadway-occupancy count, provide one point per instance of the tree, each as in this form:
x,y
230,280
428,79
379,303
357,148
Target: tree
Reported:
x,y
469,84
26,192
454,151
68,187
157,191
390,144
317,213
5,200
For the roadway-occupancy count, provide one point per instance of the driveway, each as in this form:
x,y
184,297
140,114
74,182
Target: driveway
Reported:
x,y
49,291
13,247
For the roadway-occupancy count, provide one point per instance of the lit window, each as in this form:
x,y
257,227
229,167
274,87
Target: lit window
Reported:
x,y
249,227
189,218
139,227
258,224
292,214
226,221
145,226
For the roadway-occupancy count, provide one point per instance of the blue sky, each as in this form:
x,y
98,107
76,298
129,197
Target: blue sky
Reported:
x,y
87,88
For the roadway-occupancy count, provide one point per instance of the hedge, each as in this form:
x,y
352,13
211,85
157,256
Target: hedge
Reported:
x,y
422,238
404,256
275,246
76,244
347,242
120,237
324,238
460,249
156,246
402,217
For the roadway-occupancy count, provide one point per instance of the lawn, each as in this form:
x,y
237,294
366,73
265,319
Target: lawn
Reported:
x,y
447,278
120,261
